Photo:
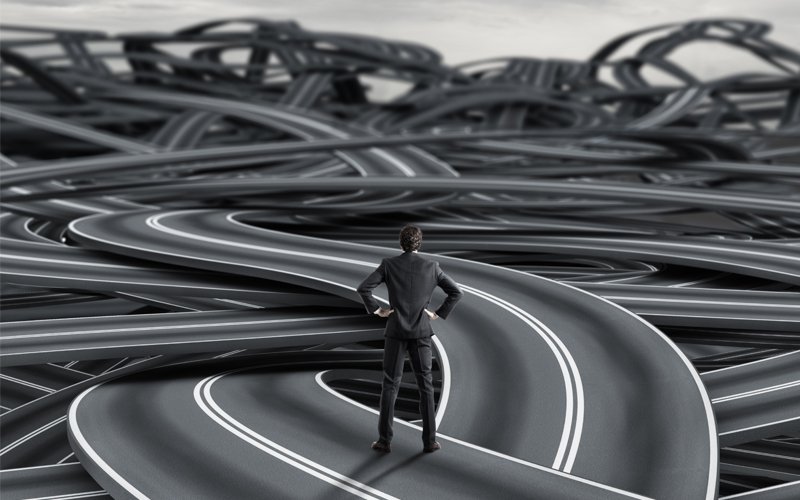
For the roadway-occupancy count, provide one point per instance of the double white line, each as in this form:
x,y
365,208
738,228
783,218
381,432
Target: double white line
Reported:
x,y
202,395
570,436
573,419
756,392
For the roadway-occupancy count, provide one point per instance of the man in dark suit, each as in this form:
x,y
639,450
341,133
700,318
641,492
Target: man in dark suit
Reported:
x,y
410,280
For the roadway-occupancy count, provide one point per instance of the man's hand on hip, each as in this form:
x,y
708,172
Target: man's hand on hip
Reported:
x,y
431,314
384,313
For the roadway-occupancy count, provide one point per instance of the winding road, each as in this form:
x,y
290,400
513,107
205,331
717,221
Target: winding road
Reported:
x,y
181,242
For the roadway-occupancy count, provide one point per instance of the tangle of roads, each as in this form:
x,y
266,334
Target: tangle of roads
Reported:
x,y
186,217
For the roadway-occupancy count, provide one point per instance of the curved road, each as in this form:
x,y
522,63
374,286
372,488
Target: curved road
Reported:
x,y
556,351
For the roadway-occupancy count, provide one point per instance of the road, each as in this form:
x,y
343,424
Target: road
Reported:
x,y
183,232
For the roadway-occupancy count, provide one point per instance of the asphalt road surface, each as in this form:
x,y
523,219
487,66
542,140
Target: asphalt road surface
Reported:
x,y
181,238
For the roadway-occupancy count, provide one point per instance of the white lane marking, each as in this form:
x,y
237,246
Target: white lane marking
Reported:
x,y
634,275
203,398
747,353
229,353
394,161
74,496
175,327
710,419
756,392
27,227
445,368
667,110
111,316
154,222
428,156
115,365
751,363
240,303
720,316
444,364
695,246
8,160
27,384
319,126
573,440
38,244
72,416
71,454
88,375
33,467
774,422
194,341
52,296
327,170
123,201
31,434
575,403
697,301
656,253
149,300
70,369
759,493
334,197
65,203
709,279
489,451
224,104
74,262
154,284
569,371
761,454
347,158
179,134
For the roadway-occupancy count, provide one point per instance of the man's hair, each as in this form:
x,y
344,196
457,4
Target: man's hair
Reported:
x,y
410,238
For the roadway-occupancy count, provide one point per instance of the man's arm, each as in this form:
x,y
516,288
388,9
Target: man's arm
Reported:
x,y
365,288
454,293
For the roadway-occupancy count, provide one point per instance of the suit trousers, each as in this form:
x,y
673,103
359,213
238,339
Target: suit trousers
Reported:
x,y
419,350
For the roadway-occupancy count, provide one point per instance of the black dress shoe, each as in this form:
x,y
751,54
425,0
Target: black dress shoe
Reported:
x,y
381,446
432,447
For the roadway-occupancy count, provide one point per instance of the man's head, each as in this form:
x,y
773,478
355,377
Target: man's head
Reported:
x,y
410,238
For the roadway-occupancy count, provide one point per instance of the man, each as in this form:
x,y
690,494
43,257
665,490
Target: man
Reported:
x,y
410,280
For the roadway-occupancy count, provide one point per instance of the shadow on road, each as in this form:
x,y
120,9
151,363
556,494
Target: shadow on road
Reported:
x,y
376,465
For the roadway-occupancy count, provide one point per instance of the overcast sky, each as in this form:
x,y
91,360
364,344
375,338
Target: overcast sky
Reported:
x,y
461,30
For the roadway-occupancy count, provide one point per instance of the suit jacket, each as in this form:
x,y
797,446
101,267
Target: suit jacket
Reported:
x,y
410,280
